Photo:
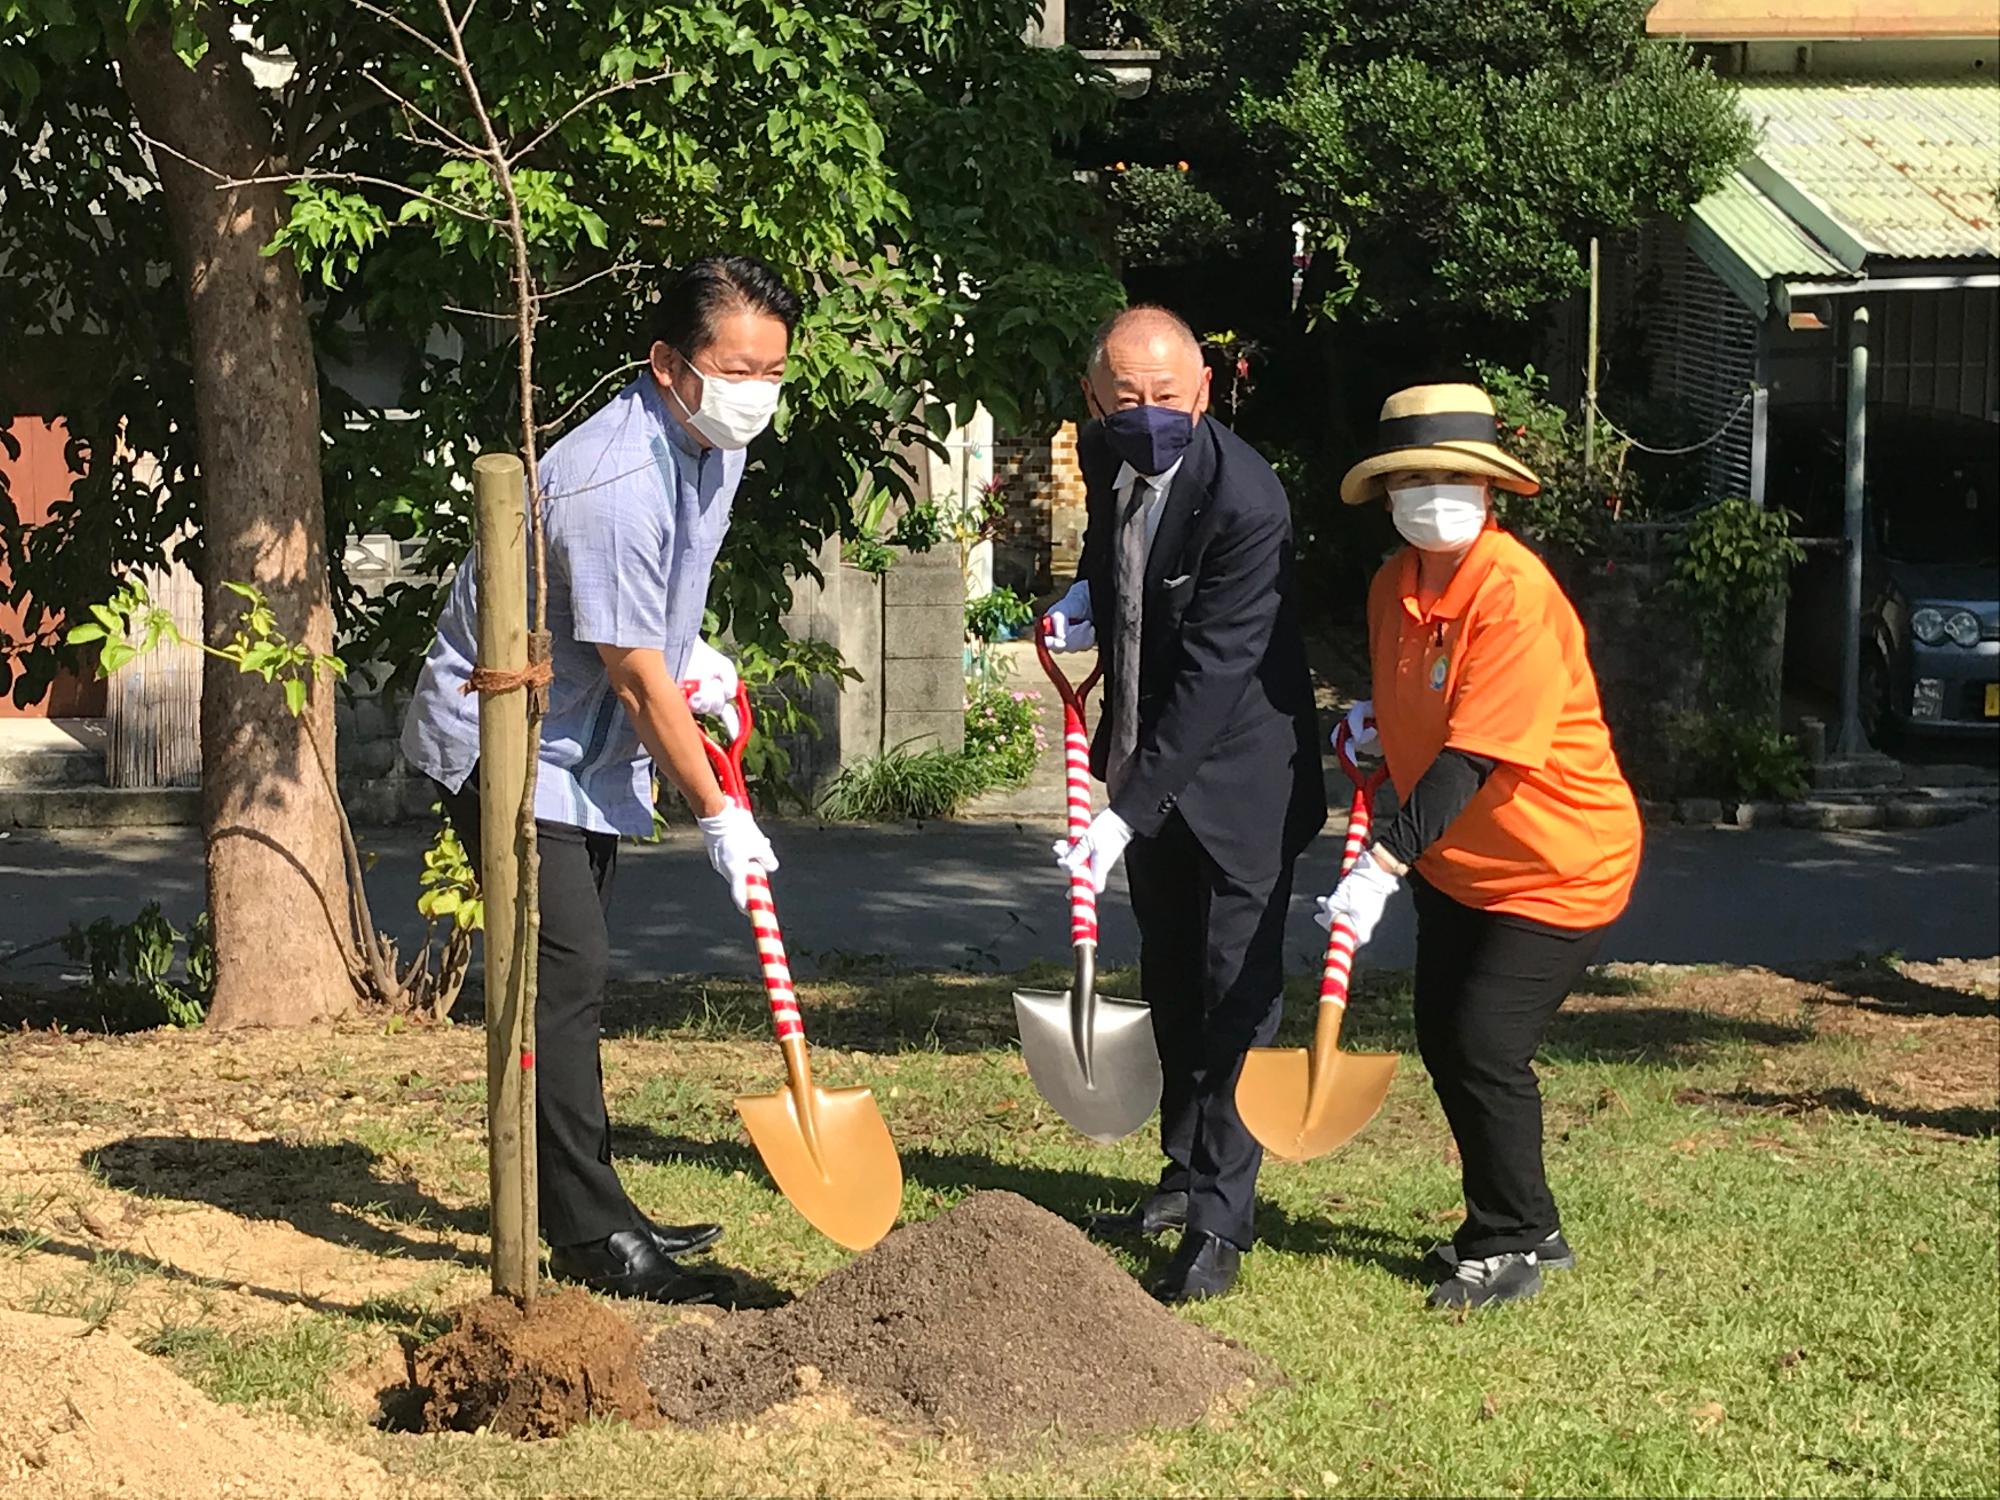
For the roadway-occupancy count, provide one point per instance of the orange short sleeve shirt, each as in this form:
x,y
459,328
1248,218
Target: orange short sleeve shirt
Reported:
x,y
1497,668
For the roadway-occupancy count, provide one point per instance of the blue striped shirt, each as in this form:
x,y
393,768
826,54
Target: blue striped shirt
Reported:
x,y
635,512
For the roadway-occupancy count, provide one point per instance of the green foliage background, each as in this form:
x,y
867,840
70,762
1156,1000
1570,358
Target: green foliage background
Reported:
x,y
896,160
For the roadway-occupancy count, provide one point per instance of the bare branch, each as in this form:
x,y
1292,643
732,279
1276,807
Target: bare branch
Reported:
x,y
458,142
618,372
584,103
224,182
618,270
404,26
479,312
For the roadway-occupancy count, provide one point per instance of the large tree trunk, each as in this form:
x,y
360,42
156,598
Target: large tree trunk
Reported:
x,y
277,890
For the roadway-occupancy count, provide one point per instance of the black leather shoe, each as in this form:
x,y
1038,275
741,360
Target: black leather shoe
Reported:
x,y
631,1264
683,1239
1158,1214
1205,1266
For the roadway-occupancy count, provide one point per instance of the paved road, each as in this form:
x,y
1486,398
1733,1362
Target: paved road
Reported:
x,y
985,895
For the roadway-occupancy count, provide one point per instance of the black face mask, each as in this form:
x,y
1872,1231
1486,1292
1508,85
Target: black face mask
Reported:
x,y
1149,438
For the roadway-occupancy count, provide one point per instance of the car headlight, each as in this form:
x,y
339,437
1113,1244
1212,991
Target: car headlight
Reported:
x,y
1963,627
1927,625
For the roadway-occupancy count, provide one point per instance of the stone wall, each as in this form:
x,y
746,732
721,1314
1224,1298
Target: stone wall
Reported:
x,y
1651,675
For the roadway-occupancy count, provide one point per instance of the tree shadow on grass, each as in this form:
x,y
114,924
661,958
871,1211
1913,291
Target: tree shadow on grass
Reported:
x,y
324,1190
1965,1120
1667,1035
30,1242
897,1012
328,1190
1881,987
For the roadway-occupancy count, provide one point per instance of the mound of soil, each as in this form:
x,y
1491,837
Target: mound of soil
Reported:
x,y
533,1374
86,1414
997,1321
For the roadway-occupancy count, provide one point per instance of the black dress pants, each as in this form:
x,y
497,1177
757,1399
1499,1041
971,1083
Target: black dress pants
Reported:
x,y
581,1198
1488,985
1211,962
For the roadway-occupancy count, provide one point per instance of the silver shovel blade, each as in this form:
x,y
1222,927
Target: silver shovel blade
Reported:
x,y
1095,1062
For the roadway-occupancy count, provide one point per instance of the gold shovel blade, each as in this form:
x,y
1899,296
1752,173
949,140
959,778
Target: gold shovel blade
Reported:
x,y
1280,1107
844,1174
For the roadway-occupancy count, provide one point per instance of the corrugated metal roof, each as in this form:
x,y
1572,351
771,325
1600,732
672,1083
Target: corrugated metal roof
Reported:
x,y
1757,240
1905,170
1818,20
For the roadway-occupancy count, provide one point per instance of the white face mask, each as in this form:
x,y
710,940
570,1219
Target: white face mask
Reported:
x,y
732,412
1439,517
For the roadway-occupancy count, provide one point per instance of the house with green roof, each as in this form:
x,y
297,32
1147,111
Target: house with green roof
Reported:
x,y
1872,184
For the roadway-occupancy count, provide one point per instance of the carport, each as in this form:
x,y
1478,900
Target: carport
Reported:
x,y
1856,251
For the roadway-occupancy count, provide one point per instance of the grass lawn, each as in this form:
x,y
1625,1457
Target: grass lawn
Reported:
x,y
1782,1189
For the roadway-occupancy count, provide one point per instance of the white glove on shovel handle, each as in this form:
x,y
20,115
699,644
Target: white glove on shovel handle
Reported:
x,y
710,683
736,847
1359,900
1097,852
1360,725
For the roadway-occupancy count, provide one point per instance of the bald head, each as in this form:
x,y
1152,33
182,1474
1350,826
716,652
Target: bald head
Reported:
x,y
1145,356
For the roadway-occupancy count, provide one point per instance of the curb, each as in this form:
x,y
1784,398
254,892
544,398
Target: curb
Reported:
x,y
1906,807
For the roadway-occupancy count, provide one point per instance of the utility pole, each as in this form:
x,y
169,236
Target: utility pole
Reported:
x,y
1851,740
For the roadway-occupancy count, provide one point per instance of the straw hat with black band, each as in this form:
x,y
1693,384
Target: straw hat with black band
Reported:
x,y
1448,427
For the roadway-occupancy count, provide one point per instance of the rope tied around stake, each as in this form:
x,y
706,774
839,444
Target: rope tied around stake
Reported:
x,y
535,676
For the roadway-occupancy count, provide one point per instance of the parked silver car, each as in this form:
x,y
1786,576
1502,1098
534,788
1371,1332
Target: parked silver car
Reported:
x,y
1930,622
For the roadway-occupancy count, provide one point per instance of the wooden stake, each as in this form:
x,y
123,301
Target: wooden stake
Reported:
x,y
498,485
1590,374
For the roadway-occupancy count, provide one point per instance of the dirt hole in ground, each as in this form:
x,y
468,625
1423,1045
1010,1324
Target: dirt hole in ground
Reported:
x,y
997,1321
534,1373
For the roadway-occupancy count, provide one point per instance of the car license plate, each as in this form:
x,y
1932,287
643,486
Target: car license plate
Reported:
x,y
1993,700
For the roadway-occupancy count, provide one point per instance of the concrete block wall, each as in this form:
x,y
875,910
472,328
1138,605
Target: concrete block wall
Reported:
x,y
923,652
376,785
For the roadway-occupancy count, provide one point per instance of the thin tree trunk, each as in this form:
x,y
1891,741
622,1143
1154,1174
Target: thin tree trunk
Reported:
x,y
275,876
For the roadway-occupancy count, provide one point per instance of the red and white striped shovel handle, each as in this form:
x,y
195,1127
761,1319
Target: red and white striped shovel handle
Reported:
x,y
1076,780
728,765
1339,967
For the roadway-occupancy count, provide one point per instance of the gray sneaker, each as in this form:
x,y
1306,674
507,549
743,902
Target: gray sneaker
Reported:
x,y
1487,1279
1553,1254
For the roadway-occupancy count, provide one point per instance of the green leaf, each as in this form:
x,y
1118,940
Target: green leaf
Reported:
x,y
80,635
295,695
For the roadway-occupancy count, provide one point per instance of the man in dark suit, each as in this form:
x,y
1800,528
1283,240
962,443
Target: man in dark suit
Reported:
x,y
1209,750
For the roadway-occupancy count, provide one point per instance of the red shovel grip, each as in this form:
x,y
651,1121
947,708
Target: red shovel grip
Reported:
x,y
1076,779
728,765
1338,970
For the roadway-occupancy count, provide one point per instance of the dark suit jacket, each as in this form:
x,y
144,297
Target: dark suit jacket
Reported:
x,y
1228,734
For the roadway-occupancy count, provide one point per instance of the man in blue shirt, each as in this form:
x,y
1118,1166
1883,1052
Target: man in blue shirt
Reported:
x,y
635,502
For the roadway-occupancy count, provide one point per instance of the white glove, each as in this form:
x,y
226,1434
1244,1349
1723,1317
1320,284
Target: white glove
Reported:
x,y
1361,736
1359,900
1070,627
736,846
1098,851
714,677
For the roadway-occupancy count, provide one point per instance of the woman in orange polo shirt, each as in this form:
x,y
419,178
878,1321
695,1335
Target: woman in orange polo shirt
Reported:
x,y
1515,828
